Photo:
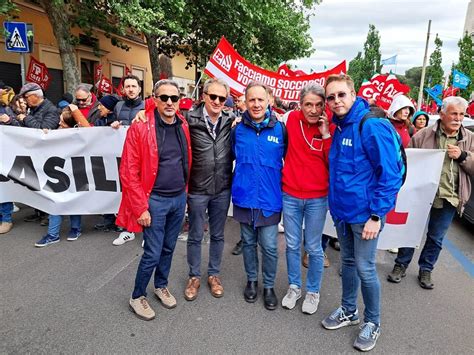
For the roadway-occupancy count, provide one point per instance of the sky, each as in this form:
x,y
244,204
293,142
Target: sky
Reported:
x,y
339,29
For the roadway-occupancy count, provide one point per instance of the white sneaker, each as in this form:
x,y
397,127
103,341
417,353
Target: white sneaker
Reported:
x,y
15,208
124,237
393,250
310,303
292,295
143,243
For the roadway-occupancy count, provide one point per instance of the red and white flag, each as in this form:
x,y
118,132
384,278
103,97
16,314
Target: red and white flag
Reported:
x,y
38,73
227,64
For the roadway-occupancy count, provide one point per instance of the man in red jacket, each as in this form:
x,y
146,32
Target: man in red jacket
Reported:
x,y
305,190
154,172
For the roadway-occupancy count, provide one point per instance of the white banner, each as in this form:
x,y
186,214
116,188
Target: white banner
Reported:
x,y
64,171
405,226
75,171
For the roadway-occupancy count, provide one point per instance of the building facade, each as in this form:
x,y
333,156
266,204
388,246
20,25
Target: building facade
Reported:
x,y
114,60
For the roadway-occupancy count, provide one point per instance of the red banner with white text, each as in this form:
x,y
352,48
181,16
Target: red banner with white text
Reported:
x,y
227,64
38,73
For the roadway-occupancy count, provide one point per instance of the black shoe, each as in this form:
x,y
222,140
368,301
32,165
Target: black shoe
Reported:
x,y
424,279
397,273
44,221
270,299
334,243
251,291
118,229
104,227
238,248
35,217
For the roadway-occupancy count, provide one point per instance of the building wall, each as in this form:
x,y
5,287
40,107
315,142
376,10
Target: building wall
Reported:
x,y
113,59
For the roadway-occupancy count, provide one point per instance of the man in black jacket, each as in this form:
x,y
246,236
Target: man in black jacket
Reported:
x,y
209,185
43,113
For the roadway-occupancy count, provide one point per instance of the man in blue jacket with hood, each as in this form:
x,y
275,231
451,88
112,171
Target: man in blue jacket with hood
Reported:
x,y
365,174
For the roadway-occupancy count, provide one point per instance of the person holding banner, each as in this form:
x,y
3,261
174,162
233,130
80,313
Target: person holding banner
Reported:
x,y
154,173
258,144
365,175
43,114
454,187
305,189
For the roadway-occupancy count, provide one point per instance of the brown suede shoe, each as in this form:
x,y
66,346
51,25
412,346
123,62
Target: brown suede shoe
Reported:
x,y
215,286
326,261
191,291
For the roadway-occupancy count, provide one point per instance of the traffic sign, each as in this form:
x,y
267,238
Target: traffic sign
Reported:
x,y
17,40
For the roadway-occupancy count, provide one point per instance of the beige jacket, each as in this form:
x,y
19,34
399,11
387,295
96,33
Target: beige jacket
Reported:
x,y
426,139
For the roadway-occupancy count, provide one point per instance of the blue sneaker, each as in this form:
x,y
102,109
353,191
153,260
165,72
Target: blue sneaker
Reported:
x,y
47,240
74,234
367,338
339,319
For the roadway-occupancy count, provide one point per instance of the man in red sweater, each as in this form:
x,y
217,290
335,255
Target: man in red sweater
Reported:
x,y
305,190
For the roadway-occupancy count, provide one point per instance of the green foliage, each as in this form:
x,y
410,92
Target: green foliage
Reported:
x,y
435,73
364,67
412,79
466,63
8,8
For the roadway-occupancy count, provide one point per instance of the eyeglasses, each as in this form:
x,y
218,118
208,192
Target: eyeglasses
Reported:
x,y
165,98
82,100
340,95
214,97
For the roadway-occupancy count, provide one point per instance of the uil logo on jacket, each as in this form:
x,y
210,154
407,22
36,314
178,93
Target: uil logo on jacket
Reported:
x,y
347,142
273,139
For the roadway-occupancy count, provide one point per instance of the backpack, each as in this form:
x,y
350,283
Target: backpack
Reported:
x,y
402,155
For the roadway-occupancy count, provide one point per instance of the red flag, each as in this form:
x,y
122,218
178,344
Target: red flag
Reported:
x,y
97,73
127,71
284,70
368,91
105,86
38,73
450,91
391,88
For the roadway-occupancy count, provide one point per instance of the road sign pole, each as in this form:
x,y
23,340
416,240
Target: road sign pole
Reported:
x,y
22,68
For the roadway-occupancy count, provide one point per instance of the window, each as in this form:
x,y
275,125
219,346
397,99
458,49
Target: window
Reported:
x,y
117,72
88,70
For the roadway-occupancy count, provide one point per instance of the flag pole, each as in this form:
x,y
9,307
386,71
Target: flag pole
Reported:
x,y
196,86
423,71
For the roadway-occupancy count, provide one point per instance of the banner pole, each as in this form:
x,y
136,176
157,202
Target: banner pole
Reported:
x,y
422,81
197,85
22,68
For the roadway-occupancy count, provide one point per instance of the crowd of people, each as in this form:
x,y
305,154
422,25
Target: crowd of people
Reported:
x,y
283,166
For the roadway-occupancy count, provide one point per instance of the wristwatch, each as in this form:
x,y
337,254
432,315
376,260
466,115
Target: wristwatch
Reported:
x,y
375,218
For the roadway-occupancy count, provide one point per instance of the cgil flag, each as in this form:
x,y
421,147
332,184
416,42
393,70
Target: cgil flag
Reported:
x,y
460,80
389,61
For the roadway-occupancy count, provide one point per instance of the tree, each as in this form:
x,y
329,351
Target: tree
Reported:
x,y
434,72
466,63
114,17
355,70
412,79
365,67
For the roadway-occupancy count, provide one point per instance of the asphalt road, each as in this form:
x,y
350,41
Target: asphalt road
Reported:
x,y
72,297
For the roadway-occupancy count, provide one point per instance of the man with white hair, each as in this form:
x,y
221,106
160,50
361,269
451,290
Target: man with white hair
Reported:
x,y
454,186
43,113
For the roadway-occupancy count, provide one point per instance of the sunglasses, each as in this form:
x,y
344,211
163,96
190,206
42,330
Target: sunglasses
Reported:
x,y
214,97
165,98
340,95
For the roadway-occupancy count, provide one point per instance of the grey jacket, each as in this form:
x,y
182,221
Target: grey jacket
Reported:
x,y
427,139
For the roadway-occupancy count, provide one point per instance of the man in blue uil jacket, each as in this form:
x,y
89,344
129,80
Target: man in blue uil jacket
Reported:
x,y
258,144
365,174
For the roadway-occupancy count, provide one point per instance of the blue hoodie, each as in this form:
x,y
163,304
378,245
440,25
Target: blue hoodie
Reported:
x,y
364,178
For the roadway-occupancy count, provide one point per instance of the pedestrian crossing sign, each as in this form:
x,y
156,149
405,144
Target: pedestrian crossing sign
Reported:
x,y
16,40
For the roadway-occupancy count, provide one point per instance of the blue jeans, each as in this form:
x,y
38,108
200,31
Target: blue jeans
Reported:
x,y
267,238
217,207
6,210
313,211
167,215
440,220
358,269
55,221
